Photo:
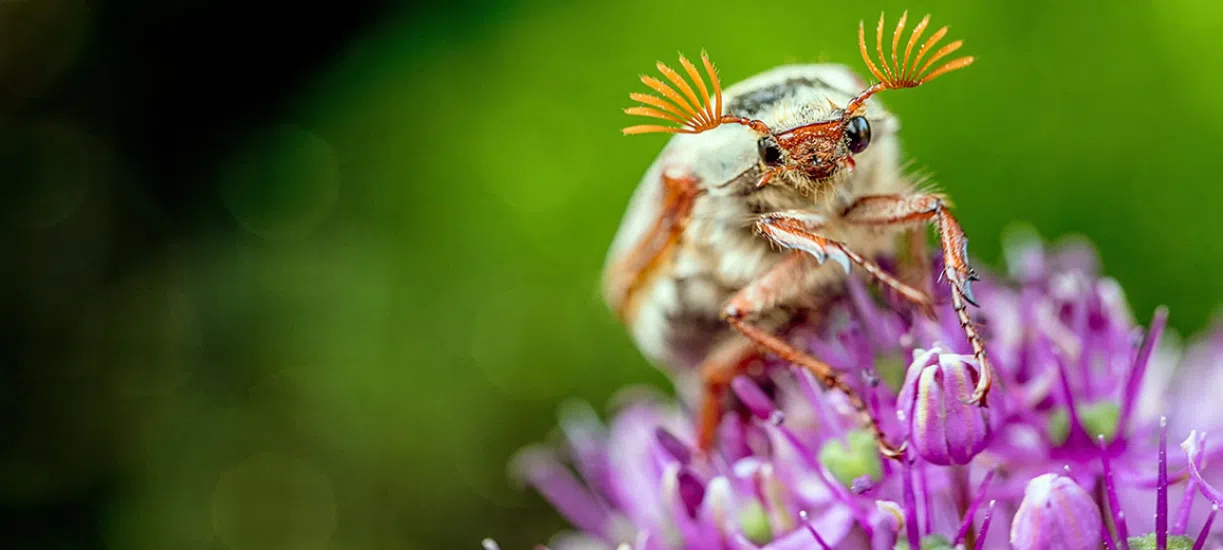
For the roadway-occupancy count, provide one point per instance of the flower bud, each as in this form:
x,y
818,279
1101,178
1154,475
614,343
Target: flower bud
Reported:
x,y
1056,513
943,427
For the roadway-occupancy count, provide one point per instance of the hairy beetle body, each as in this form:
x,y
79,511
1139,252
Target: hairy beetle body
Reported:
x,y
757,209
674,316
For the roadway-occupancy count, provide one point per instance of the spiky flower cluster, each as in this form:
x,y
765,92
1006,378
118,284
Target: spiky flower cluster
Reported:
x,y
1071,452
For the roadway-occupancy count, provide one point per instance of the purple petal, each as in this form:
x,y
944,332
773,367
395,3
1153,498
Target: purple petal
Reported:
x,y
561,489
672,445
989,517
753,397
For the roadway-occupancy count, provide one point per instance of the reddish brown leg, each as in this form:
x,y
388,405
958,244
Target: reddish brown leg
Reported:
x,y
800,231
910,210
765,292
722,366
732,359
650,252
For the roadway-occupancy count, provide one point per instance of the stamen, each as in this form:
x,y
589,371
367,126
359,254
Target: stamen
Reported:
x,y
1114,504
989,515
927,508
1161,507
966,524
1194,447
802,514
910,505
1186,507
1134,383
1072,410
1201,540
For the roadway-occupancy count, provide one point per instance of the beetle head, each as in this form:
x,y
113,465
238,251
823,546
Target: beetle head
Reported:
x,y
816,151
819,150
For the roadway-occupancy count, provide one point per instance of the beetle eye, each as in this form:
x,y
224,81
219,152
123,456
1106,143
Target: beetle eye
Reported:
x,y
770,152
857,134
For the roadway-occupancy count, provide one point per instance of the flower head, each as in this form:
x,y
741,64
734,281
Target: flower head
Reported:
x,y
1066,445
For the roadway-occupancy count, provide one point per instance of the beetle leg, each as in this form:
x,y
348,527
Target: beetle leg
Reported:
x,y
650,252
760,295
800,230
727,361
912,210
732,358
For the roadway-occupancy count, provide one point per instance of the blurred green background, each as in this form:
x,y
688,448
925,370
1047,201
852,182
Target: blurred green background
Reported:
x,y
305,276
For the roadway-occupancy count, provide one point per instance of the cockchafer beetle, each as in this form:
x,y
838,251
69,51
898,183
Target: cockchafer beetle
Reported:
x,y
728,237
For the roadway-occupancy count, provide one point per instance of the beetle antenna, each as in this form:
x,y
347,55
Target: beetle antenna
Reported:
x,y
694,112
906,72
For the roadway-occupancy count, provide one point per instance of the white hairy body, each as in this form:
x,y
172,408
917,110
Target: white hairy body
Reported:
x,y
674,313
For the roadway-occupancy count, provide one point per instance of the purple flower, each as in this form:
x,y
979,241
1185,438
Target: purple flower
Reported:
x,y
1072,441
1056,514
942,426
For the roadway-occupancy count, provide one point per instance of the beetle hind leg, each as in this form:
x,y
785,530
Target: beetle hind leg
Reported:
x,y
733,358
761,294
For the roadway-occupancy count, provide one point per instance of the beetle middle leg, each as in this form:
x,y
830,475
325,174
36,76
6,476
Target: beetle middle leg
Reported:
x,y
764,293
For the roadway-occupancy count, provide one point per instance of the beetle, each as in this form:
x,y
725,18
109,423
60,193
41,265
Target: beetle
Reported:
x,y
759,205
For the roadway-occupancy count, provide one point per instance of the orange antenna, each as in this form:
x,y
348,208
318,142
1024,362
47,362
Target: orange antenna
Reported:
x,y
901,73
694,112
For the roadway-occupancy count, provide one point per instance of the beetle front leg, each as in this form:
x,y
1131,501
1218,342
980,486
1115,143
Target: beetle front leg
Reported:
x,y
910,210
800,230
762,294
